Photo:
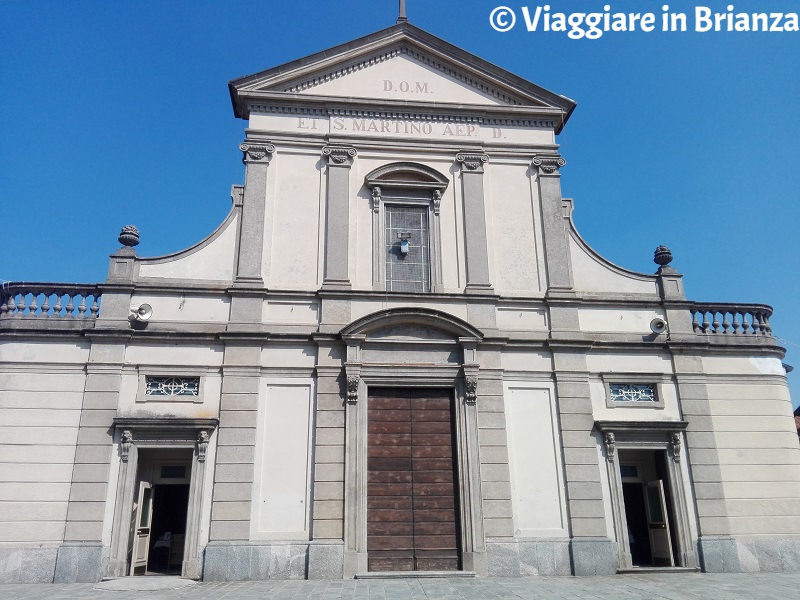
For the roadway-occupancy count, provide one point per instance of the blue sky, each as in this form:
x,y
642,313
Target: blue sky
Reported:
x,y
118,112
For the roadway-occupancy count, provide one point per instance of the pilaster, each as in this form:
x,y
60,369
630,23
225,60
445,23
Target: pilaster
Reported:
x,y
593,553
256,157
475,240
556,247
337,221
238,411
82,556
717,549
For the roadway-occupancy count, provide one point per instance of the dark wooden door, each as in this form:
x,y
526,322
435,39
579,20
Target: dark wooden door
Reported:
x,y
412,508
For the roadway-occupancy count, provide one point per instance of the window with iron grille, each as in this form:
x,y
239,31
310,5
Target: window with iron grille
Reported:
x,y
407,245
633,392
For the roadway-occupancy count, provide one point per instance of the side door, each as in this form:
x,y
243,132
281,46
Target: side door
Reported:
x,y
141,537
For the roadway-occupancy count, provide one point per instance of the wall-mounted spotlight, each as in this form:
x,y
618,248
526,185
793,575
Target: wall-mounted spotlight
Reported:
x,y
141,314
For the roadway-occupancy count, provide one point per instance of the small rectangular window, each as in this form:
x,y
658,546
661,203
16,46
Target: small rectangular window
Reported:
x,y
172,386
407,238
633,392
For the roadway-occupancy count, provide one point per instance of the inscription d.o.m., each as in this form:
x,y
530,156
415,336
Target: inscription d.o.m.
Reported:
x,y
406,87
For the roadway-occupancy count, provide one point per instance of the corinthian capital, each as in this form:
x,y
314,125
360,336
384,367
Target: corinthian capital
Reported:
x,y
339,156
548,164
472,161
256,153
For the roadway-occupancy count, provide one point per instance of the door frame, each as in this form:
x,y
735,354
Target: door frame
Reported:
x,y
653,436
134,434
460,373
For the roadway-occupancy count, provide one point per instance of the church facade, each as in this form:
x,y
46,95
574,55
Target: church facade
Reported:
x,y
396,354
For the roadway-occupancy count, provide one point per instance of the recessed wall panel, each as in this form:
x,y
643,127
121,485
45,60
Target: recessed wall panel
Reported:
x,y
282,493
533,451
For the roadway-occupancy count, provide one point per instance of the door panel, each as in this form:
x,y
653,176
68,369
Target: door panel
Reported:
x,y
144,518
660,542
411,497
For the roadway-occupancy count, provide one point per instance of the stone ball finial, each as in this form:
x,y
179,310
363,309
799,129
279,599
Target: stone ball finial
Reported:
x,y
129,236
662,256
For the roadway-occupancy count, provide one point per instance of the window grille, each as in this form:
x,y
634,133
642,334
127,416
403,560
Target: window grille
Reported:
x,y
407,272
172,386
629,392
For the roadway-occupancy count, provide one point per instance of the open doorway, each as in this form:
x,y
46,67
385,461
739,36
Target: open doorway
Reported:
x,y
649,509
161,505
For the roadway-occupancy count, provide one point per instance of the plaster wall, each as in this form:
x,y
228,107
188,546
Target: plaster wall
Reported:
x,y
47,352
535,460
180,308
515,238
41,411
527,361
282,484
520,317
291,312
639,362
178,354
277,356
593,274
385,79
213,259
751,445
618,320
361,308
293,225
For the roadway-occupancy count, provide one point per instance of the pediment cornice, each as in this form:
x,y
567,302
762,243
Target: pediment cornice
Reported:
x,y
308,80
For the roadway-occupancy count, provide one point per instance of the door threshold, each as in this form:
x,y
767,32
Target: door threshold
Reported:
x,y
659,570
415,574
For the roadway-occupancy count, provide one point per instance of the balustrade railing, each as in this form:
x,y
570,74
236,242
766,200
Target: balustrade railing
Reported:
x,y
49,300
731,319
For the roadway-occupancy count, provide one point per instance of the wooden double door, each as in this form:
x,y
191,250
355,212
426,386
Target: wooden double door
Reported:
x,y
412,501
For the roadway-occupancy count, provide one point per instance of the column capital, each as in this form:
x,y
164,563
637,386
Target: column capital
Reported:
x,y
472,161
339,156
256,152
548,164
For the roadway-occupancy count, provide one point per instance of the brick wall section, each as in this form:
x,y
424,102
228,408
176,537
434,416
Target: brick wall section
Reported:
x,y
236,440
329,435
495,474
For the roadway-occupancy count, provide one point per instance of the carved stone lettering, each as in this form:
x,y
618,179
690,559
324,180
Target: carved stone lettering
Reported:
x,y
406,87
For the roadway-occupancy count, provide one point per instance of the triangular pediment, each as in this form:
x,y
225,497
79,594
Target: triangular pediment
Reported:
x,y
403,73
399,65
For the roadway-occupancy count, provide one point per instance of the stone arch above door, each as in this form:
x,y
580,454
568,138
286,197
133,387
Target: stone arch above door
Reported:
x,y
410,317
407,344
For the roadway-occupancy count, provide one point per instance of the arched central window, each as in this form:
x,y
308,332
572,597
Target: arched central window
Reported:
x,y
406,198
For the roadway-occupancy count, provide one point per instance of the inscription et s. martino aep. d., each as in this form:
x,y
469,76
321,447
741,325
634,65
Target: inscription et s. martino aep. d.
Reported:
x,y
400,127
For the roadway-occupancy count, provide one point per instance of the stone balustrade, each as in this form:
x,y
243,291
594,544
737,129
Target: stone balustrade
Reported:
x,y
49,300
731,319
